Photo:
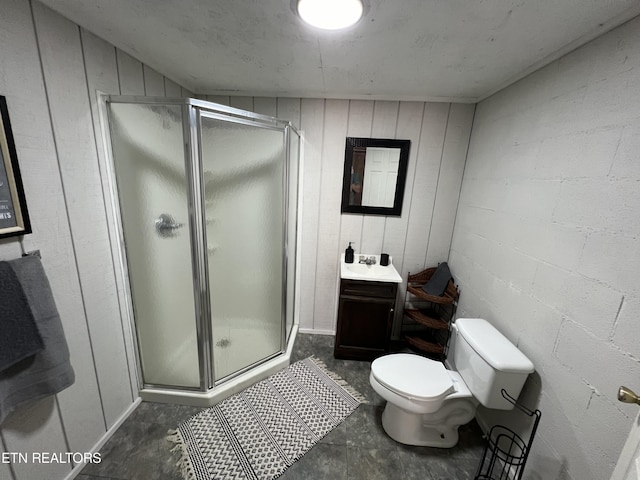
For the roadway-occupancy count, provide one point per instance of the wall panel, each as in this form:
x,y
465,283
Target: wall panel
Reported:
x,y
289,109
243,103
265,106
153,82
425,180
171,89
221,99
330,181
454,154
129,74
312,114
61,57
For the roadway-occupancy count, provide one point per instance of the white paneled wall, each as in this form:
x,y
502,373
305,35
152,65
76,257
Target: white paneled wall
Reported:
x,y
50,70
547,245
439,135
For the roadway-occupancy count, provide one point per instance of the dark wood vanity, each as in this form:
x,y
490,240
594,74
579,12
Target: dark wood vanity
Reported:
x,y
365,318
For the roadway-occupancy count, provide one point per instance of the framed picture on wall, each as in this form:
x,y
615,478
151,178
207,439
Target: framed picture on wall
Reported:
x,y
14,218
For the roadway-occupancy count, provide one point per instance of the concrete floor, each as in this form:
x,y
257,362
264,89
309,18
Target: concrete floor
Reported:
x,y
357,449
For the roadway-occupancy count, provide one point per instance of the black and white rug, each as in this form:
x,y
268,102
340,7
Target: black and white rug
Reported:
x,y
259,432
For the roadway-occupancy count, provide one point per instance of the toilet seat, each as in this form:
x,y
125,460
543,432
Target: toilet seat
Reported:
x,y
413,377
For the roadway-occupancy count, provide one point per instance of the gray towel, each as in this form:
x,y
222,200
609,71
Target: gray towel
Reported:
x,y
19,336
438,282
49,371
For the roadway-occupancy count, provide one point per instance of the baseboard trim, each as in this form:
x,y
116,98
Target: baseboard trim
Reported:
x,y
107,435
316,332
482,423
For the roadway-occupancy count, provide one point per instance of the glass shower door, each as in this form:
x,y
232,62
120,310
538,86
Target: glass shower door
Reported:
x,y
149,161
243,181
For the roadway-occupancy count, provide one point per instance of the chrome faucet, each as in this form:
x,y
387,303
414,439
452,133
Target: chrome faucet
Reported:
x,y
367,260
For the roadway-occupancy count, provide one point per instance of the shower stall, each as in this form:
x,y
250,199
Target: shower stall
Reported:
x,y
205,215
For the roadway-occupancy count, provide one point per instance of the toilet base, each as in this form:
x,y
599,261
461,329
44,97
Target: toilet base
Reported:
x,y
409,428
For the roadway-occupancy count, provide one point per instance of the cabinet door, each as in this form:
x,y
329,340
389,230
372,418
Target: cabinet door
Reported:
x,y
364,327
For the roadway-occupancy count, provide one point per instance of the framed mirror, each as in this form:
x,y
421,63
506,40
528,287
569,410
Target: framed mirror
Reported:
x,y
375,172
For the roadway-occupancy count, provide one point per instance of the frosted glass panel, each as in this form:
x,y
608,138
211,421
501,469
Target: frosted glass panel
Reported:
x,y
244,194
148,152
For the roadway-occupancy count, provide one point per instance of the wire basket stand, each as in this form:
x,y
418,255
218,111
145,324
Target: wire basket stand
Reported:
x,y
505,453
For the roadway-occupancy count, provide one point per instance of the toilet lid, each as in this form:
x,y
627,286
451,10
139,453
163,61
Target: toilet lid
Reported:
x,y
413,376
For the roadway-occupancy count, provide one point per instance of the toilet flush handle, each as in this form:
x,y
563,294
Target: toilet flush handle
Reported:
x,y
627,395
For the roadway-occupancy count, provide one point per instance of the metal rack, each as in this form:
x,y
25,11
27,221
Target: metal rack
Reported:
x,y
506,453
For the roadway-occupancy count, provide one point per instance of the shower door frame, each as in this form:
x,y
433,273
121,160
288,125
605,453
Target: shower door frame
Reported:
x,y
202,109
191,114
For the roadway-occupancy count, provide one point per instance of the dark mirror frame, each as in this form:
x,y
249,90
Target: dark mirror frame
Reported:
x,y
353,142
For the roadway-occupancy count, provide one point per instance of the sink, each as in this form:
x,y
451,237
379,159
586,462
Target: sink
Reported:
x,y
367,270
371,273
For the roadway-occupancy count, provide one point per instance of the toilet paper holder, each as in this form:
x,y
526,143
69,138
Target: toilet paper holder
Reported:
x,y
505,453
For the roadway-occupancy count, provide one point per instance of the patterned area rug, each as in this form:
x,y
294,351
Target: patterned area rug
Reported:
x,y
261,431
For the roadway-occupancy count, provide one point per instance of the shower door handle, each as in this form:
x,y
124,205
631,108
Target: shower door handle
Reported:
x,y
166,226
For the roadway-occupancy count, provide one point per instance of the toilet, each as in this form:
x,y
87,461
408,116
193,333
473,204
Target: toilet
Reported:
x,y
426,402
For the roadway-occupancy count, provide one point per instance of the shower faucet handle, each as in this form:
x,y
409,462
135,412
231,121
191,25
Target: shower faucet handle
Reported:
x,y
166,225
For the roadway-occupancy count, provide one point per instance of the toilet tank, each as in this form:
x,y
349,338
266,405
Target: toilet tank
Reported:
x,y
489,362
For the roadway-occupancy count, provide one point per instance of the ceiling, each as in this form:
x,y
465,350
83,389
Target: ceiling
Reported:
x,y
448,50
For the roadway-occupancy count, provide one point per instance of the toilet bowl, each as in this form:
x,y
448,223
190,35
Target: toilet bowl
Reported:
x,y
427,403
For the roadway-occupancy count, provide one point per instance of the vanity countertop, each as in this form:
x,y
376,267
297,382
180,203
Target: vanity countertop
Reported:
x,y
369,273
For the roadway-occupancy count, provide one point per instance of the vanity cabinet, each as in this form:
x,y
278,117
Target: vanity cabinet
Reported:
x,y
365,318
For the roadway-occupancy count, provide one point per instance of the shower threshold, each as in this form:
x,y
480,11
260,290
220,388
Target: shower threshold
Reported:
x,y
226,388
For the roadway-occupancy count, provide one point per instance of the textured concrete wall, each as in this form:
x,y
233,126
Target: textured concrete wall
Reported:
x,y
546,245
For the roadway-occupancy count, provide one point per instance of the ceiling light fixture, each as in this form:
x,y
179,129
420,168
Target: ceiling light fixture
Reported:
x,y
330,14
